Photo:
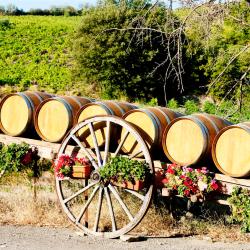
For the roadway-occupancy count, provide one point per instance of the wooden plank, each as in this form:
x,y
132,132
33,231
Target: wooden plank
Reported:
x,y
225,178
45,149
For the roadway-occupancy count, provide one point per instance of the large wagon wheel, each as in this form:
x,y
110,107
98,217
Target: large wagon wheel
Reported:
x,y
95,207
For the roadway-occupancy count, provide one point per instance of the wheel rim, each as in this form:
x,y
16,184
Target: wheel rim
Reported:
x,y
97,209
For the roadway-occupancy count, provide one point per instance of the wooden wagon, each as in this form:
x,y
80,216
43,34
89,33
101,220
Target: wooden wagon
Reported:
x,y
97,207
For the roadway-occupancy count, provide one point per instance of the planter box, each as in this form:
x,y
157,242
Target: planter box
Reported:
x,y
129,185
81,171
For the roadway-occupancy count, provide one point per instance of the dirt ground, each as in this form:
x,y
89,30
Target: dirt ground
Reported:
x,y
40,238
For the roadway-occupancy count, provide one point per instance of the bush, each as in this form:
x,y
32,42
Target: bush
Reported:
x,y
172,104
5,24
240,204
191,107
209,107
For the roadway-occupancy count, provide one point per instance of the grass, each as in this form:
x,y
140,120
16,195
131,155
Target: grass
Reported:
x,y
19,205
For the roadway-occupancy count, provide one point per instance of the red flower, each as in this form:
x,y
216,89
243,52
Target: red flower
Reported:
x,y
214,185
27,159
186,192
170,171
188,182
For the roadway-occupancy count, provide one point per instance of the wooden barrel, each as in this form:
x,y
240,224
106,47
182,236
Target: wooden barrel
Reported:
x,y
55,116
231,150
100,108
188,139
17,110
151,123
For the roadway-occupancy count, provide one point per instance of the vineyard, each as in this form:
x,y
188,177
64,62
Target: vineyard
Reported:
x,y
35,50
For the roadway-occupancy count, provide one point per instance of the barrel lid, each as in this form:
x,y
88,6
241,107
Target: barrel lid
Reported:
x,y
15,114
91,110
53,119
231,150
185,140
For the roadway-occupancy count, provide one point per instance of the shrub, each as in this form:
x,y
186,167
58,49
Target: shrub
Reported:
x,y
191,107
209,107
240,204
16,157
172,104
5,24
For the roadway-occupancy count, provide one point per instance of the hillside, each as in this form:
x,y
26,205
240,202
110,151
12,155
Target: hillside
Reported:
x,y
35,50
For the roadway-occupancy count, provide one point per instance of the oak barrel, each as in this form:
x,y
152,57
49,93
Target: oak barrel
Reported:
x,y
100,108
231,150
17,110
55,116
151,123
188,139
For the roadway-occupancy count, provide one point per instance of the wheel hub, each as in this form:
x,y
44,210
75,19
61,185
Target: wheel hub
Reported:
x,y
95,176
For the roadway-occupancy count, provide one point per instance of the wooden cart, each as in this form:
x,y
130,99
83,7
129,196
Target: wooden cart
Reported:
x,y
98,208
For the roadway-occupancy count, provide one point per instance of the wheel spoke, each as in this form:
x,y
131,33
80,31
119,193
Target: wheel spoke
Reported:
x,y
78,193
99,207
107,142
140,196
92,160
111,211
123,205
135,154
87,204
121,144
97,151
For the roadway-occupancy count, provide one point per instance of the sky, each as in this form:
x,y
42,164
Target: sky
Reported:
x,y
45,4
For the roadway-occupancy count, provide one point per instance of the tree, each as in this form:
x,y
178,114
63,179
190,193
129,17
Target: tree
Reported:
x,y
121,47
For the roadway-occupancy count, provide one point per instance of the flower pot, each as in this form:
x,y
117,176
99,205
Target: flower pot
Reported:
x,y
138,185
167,192
81,171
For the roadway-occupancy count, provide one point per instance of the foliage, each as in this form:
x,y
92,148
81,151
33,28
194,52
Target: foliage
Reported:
x,y
240,204
153,102
53,11
120,60
15,157
191,107
172,104
64,165
35,51
218,50
209,107
121,169
186,181
5,24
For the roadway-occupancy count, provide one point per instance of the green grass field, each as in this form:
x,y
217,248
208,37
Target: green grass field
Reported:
x,y
35,50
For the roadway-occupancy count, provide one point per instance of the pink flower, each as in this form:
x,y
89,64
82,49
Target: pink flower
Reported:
x,y
204,170
165,181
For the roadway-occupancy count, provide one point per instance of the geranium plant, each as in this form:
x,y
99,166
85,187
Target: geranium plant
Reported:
x,y
15,157
188,182
64,165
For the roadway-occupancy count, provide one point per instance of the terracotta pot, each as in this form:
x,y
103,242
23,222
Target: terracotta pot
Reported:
x,y
81,171
129,185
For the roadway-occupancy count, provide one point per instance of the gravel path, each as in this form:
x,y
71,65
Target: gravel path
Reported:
x,y
38,238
